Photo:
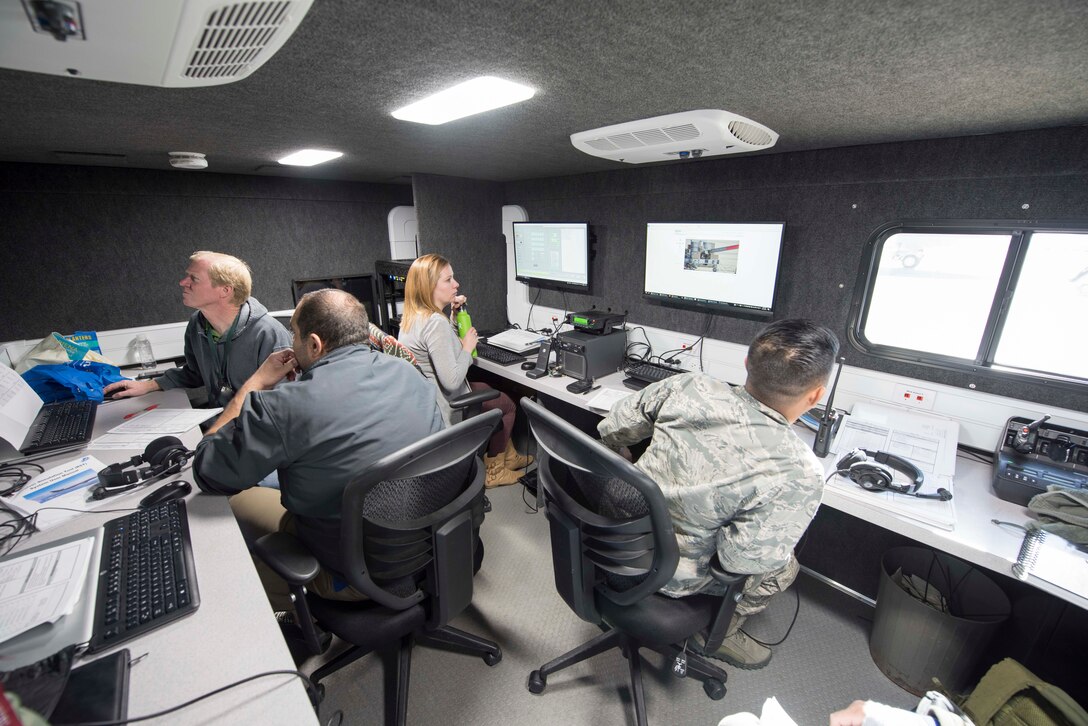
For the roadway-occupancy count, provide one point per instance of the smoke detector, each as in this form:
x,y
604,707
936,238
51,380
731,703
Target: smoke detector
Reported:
x,y
188,160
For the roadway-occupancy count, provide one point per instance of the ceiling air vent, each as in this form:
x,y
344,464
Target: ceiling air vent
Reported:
x,y
688,135
172,43
234,36
750,133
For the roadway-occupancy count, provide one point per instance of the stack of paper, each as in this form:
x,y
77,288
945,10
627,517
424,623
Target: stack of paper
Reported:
x,y
927,441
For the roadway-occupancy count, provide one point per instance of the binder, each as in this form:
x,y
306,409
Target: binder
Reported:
x,y
1051,558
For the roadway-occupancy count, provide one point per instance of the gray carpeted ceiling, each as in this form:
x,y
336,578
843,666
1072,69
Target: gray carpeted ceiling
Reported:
x,y
821,74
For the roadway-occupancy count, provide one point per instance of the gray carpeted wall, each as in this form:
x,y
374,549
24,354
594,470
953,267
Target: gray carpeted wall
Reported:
x,y
100,248
831,201
91,248
461,219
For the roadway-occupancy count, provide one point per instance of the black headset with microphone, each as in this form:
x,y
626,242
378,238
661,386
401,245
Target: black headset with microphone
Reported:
x,y
874,471
164,456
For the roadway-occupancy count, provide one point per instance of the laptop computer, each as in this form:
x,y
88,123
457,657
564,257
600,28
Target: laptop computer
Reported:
x,y
36,427
516,340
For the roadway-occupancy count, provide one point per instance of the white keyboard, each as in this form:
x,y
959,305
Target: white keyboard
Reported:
x,y
519,341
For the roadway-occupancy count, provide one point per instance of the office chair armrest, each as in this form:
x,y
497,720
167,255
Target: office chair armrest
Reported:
x,y
734,589
476,398
287,557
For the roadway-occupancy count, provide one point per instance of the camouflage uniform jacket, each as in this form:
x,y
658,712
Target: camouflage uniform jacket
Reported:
x,y
735,477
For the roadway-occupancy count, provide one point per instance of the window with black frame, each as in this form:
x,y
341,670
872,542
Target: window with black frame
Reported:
x,y
1003,297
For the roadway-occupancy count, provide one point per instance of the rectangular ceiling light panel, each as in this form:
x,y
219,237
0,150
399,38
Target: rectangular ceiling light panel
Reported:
x,y
310,157
465,99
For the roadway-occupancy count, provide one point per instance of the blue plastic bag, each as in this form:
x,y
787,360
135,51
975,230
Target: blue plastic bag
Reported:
x,y
80,379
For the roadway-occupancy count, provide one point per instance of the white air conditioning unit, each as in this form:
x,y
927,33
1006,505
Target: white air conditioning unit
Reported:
x,y
173,43
687,135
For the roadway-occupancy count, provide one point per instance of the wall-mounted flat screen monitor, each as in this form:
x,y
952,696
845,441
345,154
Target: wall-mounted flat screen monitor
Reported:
x,y
362,286
730,267
554,255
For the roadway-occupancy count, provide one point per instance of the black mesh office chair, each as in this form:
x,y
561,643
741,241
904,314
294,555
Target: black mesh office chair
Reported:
x,y
472,404
409,542
613,548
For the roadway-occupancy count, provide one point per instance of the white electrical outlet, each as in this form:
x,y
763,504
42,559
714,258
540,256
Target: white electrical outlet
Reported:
x,y
914,396
689,362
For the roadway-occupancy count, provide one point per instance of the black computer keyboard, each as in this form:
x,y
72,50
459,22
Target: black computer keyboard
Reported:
x,y
62,423
146,577
498,355
650,372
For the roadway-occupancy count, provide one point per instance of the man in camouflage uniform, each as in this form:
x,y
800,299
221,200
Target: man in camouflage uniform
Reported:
x,y
737,479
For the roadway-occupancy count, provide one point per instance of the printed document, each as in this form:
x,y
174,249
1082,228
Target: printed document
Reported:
x,y
18,407
926,440
607,398
166,421
68,485
42,587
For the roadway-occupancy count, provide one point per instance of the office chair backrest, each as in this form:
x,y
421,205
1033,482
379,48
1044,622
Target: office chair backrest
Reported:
x,y
409,525
612,535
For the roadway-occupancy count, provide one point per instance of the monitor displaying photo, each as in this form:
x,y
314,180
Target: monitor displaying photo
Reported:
x,y
728,267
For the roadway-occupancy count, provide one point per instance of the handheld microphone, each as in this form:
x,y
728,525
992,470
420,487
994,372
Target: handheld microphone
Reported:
x,y
822,444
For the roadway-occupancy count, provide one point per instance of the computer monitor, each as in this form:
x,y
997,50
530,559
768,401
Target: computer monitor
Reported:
x,y
362,286
553,255
730,268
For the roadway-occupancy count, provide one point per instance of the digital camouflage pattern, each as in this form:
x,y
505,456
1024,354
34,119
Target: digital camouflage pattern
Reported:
x,y
736,477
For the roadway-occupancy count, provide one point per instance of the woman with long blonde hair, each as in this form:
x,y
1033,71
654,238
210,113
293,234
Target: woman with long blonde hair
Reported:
x,y
431,335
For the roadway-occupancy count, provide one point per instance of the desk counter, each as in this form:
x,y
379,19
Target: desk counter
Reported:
x,y
974,539
233,633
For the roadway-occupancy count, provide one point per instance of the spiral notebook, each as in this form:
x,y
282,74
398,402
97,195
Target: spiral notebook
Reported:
x,y
1051,558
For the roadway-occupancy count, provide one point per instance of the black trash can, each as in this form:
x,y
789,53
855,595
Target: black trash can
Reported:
x,y
912,642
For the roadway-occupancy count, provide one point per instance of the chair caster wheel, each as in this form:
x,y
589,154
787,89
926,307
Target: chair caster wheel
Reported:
x,y
493,659
714,688
487,504
536,683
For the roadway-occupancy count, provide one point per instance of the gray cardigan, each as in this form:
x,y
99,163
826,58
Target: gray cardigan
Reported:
x,y
440,356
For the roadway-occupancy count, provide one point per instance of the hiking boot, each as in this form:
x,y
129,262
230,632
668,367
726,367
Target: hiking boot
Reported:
x,y
741,651
513,459
497,475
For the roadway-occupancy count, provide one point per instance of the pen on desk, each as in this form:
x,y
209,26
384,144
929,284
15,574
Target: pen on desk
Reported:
x,y
591,389
153,406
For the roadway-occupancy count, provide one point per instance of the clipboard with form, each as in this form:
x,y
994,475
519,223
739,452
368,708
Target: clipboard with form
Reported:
x,y
926,440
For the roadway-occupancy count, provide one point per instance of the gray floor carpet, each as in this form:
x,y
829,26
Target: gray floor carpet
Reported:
x,y
822,666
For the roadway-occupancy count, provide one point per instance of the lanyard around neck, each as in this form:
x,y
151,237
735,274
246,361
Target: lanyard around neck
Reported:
x,y
213,348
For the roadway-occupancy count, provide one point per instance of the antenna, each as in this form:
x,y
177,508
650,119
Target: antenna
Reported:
x,y
822,444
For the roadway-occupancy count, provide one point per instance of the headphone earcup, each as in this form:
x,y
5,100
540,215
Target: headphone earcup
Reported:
x,y
162,449
115,475
870,476
854,457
